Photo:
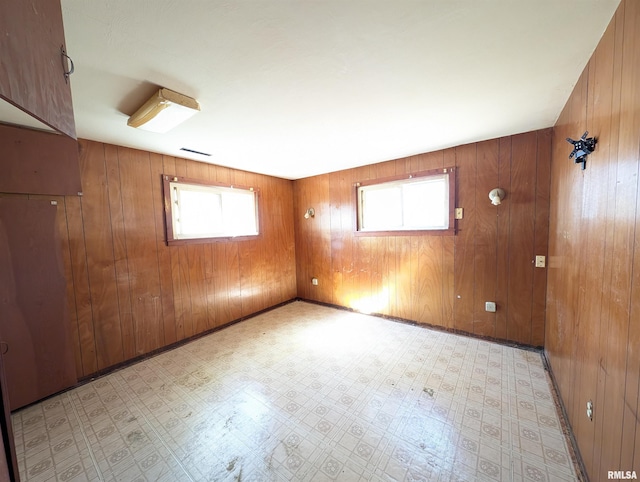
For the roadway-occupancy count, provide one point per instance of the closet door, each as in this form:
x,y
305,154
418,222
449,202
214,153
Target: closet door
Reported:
x,y
8,460
34,321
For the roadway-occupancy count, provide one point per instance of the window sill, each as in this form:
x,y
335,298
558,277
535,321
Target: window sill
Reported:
x,y
406,232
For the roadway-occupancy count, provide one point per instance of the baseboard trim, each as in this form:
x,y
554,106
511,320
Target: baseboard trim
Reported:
x,y
430,326
561,410
119,366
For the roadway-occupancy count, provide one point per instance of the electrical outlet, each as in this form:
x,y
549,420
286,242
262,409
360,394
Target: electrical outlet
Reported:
x,y
541,261
590,410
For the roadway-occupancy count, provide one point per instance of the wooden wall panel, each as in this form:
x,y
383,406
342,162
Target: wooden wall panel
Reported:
x,y
164,256
80,279
592,334
129,293
103,286
142,258
464,244
503,213
438,280
522,255
541,237
119,244
485,239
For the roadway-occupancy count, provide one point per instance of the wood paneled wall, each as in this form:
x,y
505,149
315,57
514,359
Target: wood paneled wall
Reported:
x,y
439,280
593,299
128,292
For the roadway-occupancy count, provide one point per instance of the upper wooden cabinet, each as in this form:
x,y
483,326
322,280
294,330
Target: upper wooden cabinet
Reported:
x,y
32,66
35,162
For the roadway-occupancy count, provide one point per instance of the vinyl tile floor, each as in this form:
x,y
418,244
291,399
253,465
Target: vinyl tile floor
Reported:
x,y
306,392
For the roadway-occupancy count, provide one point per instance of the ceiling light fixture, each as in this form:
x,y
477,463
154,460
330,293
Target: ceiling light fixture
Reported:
x,y
164,111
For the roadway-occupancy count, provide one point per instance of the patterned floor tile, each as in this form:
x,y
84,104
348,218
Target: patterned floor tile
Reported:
x,y
306,392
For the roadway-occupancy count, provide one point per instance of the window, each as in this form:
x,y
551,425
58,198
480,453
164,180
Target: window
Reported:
x,y
408,205
196,210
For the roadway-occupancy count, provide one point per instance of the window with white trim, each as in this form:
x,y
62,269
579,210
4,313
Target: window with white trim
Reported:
x,y
197,210
412,203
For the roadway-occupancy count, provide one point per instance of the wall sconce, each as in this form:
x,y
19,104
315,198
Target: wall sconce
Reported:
x,y
496,195
310,213
164,111
582,148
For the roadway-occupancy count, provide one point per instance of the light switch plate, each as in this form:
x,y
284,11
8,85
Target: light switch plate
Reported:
x,y
490,306
459,213
540,261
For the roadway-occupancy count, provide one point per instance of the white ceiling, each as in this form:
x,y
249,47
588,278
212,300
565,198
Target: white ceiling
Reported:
x,y
302,87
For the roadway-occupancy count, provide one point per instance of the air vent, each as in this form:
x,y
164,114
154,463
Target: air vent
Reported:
x,y
195,152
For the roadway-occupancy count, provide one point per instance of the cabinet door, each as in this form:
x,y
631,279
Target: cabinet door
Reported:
x,y
32,73
35,162
33,310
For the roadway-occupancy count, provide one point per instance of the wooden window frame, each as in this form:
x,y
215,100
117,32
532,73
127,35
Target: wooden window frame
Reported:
x,y
168,215
450,231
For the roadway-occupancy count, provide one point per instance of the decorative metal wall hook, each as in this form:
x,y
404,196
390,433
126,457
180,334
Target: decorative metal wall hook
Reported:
x,y
582,148
66,60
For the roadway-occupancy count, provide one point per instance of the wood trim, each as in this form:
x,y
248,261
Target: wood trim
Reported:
x,y
423,232
451,231
408,175
429,326
167,179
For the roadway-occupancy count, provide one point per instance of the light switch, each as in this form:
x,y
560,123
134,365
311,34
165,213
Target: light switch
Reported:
x,y
314,281
540,261
490,306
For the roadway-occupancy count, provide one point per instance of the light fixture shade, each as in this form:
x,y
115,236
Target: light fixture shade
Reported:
x,y
496,195
164,111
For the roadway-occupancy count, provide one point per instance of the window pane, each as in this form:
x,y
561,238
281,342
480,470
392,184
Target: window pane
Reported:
x,y
199,213
382,208
426,204
413,204
239,210
210,211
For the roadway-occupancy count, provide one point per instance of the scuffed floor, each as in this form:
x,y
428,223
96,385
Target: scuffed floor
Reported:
x,y
306,392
